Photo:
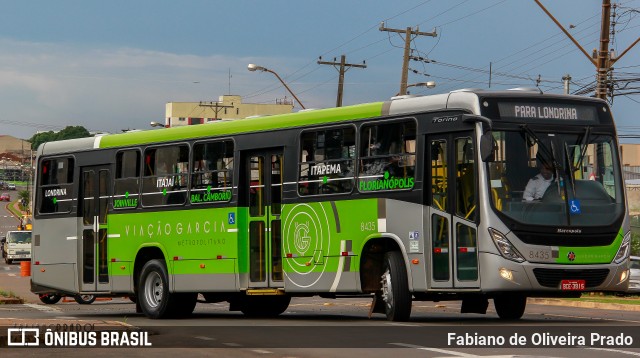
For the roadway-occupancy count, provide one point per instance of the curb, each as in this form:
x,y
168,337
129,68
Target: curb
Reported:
x,y
11,300
585,304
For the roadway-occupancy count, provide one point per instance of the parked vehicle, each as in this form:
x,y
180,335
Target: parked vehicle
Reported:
x,y
5,197
11,186
634,276
17,246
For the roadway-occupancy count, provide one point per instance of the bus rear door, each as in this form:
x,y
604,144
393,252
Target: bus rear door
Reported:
x,y
94,200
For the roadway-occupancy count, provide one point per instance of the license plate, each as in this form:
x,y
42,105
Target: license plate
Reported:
x,y
572,285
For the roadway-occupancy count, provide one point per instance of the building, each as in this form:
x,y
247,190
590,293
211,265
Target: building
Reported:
x,y
227,107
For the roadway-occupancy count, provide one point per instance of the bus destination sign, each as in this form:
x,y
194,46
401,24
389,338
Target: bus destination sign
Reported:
x,y
553,111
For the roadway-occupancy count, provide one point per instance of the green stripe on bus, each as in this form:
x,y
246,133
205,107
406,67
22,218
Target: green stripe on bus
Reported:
x,y
248,125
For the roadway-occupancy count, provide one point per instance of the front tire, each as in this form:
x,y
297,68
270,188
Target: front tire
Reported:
x,y
84,299
395,288
510,306
8,261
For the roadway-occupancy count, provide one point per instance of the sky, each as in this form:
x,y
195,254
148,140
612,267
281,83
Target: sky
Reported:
x,y
113,65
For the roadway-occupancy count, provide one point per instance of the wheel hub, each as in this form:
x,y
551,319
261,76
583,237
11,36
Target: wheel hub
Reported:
x,y
153,289
387,295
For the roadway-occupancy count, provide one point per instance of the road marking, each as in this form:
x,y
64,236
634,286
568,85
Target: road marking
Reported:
x,y
7,268
204,338
232,344
261,351
72,238
42,308
437,350
11,274
66,317
404,324
591,318
616,351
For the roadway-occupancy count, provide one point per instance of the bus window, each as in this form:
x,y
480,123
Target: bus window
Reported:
x,y
165,175
387,156
439,187
56,177
212,172
327,161
466,200
127,185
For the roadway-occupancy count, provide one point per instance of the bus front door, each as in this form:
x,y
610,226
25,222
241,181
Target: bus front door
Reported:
x,y
263,177
94,200
453,211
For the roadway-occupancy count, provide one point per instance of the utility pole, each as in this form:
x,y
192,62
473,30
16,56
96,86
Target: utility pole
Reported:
x,y
215,106
602,58
409,35
566,79
344,67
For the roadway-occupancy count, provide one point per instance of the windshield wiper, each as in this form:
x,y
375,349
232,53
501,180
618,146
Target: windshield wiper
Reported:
x,y
583,147
545,150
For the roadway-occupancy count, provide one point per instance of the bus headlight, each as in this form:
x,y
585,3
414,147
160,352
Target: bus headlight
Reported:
x,y
504,246
623,251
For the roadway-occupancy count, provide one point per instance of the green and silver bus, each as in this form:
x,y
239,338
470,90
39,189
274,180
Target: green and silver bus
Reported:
x,y
412,199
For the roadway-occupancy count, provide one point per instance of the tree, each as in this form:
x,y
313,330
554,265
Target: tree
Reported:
x,y
70,132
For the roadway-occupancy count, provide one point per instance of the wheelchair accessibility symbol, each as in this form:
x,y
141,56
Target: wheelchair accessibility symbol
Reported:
x,y
574,207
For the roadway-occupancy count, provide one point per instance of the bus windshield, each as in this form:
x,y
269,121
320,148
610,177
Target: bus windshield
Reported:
x,y
556,179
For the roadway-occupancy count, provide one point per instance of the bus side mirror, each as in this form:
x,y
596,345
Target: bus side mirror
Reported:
x,y
488,147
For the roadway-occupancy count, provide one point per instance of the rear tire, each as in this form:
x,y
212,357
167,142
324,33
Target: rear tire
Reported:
x,y
510,306
153,290
154,298
49,298
395,288
8,261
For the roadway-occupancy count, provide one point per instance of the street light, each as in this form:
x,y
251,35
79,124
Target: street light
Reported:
x,y
429,84
252,67
156,124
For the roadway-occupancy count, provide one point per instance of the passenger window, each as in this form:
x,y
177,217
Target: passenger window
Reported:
x,y
126,190
56,185
212,172
166,171
387,156
327,161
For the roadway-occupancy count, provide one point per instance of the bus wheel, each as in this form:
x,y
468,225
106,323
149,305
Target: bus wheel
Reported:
x,y
84,299
185,304
153,290
49,298
395,288
8,261
264,306
510,306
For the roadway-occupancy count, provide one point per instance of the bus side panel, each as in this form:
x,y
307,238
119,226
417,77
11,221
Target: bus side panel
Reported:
x,y
321,243
205,275
197,242
121,277
55,247
406,221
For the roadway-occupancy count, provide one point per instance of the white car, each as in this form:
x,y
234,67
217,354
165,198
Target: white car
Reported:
x,y
11,186
17,246
634,276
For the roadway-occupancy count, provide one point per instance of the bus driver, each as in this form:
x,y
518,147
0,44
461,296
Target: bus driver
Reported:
x,y
538,184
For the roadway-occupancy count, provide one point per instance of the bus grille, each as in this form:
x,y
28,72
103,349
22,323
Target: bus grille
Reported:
x,y
552,277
